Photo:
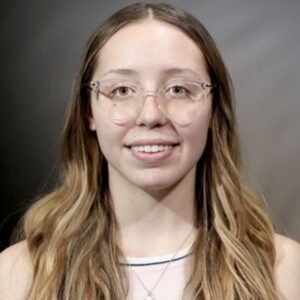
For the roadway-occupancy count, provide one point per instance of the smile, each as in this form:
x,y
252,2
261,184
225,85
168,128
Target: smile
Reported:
x,y
151,148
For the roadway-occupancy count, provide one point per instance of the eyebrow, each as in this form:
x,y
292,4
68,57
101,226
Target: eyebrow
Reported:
x,y
166,72
179,71
120,72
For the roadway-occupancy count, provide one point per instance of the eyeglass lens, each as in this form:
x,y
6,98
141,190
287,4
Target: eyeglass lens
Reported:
x,y
178,99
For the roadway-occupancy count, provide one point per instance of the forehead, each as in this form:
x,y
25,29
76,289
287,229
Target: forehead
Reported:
x,y
148,47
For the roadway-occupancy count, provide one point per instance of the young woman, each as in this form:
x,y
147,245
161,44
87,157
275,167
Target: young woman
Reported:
x,y
150,204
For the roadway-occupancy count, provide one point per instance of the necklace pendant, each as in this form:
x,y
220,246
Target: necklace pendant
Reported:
x,y
149,297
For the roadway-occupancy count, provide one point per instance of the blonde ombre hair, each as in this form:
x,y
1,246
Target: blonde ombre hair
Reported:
x,y
71,232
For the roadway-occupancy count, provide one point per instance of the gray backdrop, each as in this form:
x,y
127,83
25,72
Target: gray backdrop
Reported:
x,y
41,45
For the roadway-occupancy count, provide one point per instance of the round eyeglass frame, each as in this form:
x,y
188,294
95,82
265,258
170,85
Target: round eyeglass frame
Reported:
x,y
95,87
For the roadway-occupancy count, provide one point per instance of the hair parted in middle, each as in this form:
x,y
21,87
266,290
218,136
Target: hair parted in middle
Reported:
x,y
71,232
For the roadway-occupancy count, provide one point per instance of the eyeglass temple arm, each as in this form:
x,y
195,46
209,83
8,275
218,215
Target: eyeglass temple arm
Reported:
x,y
95,86
209,85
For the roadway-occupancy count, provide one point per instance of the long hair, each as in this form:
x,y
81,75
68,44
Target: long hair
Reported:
x,y
71,232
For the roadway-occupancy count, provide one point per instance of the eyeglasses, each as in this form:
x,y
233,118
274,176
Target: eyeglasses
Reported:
x,y
179,99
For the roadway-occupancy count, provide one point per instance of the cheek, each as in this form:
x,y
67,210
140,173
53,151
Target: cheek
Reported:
x,y
109,137
108,143
198,141
198,131
103,127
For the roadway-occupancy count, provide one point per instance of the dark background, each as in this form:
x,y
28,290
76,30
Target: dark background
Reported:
x,y
41,46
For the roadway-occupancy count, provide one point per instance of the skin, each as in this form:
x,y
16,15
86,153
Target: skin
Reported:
x,y
150,196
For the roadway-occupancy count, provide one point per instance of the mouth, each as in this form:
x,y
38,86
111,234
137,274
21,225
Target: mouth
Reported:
x,y
152,148
152,151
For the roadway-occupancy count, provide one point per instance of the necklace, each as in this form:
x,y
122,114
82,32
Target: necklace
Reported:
x,y
150,291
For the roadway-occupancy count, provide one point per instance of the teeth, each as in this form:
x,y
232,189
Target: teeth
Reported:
x,y
151,148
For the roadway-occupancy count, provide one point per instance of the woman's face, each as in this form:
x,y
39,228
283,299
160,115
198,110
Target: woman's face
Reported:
x,y
148,52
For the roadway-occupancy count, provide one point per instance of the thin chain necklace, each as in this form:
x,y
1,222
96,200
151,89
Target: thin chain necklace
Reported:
x,y
150,291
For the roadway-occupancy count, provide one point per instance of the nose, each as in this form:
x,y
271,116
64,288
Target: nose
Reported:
x,y
151,113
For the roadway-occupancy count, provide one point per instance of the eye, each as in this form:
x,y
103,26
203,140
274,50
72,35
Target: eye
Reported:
x,y
121,91
178,90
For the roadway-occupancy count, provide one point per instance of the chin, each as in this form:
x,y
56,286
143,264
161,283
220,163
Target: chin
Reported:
x,y
156,185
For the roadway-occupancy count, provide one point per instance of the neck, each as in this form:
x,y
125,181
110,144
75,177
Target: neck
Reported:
x,y
153,222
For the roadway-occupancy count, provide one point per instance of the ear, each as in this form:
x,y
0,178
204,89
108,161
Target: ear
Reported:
x,y
90,119
92,124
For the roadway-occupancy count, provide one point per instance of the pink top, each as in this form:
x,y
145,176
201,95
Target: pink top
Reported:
x,y
149,270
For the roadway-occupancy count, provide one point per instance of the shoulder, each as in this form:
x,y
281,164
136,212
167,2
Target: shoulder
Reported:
x,y
15,272
287,268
